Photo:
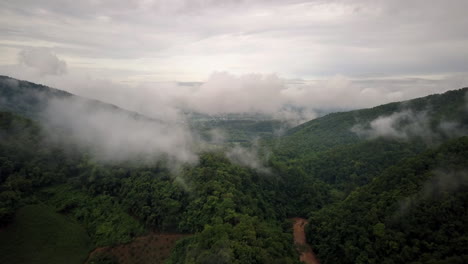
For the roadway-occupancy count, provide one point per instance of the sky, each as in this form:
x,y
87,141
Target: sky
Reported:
x,y
216,56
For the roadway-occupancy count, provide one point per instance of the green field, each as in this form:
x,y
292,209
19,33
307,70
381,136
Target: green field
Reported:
x,y
40,235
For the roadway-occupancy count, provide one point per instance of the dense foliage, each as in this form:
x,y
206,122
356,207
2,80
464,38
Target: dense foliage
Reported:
x,y
116,202
369,199
413,212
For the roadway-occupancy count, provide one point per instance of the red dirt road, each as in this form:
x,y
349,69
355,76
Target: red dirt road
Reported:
x,y
307,255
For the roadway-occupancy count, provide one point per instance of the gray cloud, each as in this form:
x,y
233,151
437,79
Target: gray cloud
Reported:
x,y
187,40
43,60
295,101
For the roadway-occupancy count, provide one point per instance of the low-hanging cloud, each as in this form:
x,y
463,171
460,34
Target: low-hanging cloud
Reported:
x,y
408,124
247,157
399,125
295,101
113,134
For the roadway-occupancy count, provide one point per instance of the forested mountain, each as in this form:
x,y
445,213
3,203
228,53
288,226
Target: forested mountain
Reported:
x,y
413,212
31,100
341,128
346,150
380,185
392,181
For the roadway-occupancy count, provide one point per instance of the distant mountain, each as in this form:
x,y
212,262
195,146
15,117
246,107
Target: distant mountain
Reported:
x,y
31,99
337,128
322,161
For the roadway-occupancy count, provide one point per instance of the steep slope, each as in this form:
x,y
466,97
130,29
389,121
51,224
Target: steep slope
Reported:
x,y
382,185
337,128
414,212
323,160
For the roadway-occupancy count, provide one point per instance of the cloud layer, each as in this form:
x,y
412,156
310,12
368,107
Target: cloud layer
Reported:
x,y
186,40
294,100
286,58
114,135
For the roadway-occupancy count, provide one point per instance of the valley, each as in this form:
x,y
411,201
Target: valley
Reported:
x,y
233,132
356,193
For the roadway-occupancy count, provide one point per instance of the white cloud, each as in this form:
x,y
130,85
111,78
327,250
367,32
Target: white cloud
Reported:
x,y
223,92
399,125
407,124
246,157
43,60
114,135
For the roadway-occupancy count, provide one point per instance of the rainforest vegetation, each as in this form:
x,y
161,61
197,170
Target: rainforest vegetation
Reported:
x,y
370,197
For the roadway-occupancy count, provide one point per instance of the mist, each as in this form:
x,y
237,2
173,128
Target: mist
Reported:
x,y
407,124
292,100
167,105
399,125
114,135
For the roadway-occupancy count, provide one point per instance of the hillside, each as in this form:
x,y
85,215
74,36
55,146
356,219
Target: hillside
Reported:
x,y
221,204
413,212
34,101
339,152
391,195
31,100
337,128
372,182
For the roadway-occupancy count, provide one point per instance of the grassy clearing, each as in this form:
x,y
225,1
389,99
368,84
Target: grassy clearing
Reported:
x,y
40,235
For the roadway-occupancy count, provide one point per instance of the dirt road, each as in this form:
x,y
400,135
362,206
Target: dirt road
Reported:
x,y
307,255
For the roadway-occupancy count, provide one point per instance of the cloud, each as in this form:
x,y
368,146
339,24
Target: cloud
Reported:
x,y
43,60
407,124
400,125
294,116
453,129
226,93
187,40
247,157
292,100
112,134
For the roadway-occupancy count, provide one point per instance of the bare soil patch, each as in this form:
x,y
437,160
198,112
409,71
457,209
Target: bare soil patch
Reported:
x,y
152,248
307,255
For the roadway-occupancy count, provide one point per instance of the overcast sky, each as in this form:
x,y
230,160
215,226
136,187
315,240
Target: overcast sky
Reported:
x,y
319,52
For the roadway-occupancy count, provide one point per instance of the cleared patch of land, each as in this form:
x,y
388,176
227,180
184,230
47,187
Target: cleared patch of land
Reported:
x,y
40,235
153,248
